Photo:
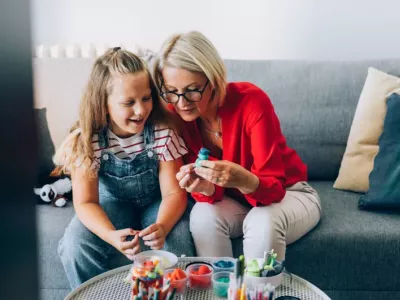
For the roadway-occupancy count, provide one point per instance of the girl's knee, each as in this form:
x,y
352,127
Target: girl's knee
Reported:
x,y
75,241
69,248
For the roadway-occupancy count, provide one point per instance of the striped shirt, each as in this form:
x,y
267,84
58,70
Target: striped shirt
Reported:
x,y
167,145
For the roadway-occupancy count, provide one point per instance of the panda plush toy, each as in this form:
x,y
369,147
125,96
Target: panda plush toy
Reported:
x,y
55,193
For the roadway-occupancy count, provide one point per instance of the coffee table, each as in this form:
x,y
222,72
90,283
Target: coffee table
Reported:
x,y
110,286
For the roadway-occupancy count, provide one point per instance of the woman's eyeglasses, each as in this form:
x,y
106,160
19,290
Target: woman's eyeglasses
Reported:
x,y
191,96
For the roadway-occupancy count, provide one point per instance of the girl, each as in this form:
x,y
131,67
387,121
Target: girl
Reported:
x,y
254,186
123,160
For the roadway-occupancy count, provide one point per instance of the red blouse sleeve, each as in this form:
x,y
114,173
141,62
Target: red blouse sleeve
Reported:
x,y
268,166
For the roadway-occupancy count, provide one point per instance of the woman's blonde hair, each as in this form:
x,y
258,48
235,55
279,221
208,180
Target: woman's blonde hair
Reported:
x,y
193,52
76,149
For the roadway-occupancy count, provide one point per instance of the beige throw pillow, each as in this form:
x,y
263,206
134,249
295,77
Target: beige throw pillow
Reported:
x,y
367,126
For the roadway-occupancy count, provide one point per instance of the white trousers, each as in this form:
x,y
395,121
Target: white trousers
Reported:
x,y
262,228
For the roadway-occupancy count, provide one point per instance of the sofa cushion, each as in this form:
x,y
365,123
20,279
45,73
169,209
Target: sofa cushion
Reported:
x,y
384,191
51,223
367,126
350,249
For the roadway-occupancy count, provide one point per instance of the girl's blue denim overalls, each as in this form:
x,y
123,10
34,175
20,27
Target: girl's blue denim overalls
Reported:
x,y
129,193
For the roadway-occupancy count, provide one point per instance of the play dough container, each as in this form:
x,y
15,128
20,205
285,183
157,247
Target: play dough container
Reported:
x,y
199,276
223,264
148,270
220,283
253,281
178,279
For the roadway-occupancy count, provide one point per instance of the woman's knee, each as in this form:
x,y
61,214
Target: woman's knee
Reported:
x,y
203,218
263,222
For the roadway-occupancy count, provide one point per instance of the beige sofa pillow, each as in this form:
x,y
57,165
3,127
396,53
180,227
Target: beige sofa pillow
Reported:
x,y
367,126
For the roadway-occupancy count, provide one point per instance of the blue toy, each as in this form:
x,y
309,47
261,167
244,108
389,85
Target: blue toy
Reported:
x,y
203,155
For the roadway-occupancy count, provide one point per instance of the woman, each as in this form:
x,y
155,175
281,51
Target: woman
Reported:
x,y
253,185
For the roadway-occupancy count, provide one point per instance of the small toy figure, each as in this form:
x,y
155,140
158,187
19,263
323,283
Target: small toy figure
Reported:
x,y
203,155
269,260
54,193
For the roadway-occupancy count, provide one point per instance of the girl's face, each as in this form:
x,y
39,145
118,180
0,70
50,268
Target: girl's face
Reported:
x,y
181,81
129,104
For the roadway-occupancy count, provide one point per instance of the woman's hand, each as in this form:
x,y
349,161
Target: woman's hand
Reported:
x,y
154,236
191,182
228,174
118,239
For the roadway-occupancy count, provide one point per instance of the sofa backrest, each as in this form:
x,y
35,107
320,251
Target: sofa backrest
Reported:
x,y
315,101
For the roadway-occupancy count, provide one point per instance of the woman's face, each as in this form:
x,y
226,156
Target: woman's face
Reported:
x,y
182,81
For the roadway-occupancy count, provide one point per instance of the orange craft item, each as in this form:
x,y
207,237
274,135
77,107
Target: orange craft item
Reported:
x,y
177,274
201,282
177,278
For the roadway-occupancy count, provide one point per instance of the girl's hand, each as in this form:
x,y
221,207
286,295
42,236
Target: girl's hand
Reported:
x,y
228,174
154,236
118,239
191,182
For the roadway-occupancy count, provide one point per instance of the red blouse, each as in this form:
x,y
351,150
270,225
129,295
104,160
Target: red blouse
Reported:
x,y
252,138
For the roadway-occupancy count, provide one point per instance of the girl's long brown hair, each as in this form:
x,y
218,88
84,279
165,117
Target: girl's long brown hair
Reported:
x,y
76,150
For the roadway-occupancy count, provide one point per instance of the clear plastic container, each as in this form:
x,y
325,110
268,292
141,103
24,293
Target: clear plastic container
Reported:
x,y
179,285
148,272
196,281
226,260
220,288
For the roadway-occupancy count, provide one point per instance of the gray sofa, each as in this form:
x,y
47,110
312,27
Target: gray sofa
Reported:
x,y
351,254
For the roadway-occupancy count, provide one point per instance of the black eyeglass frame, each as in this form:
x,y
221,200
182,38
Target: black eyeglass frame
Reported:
x,y
162,94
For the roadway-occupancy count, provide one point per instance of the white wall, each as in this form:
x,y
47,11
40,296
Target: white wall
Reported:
x,y
255,29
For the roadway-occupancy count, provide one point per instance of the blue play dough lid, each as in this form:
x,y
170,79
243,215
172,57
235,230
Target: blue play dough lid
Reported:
x,y
224,264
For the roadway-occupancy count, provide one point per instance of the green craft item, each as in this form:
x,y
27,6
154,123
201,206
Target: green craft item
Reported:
x,y
271,258
252,268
